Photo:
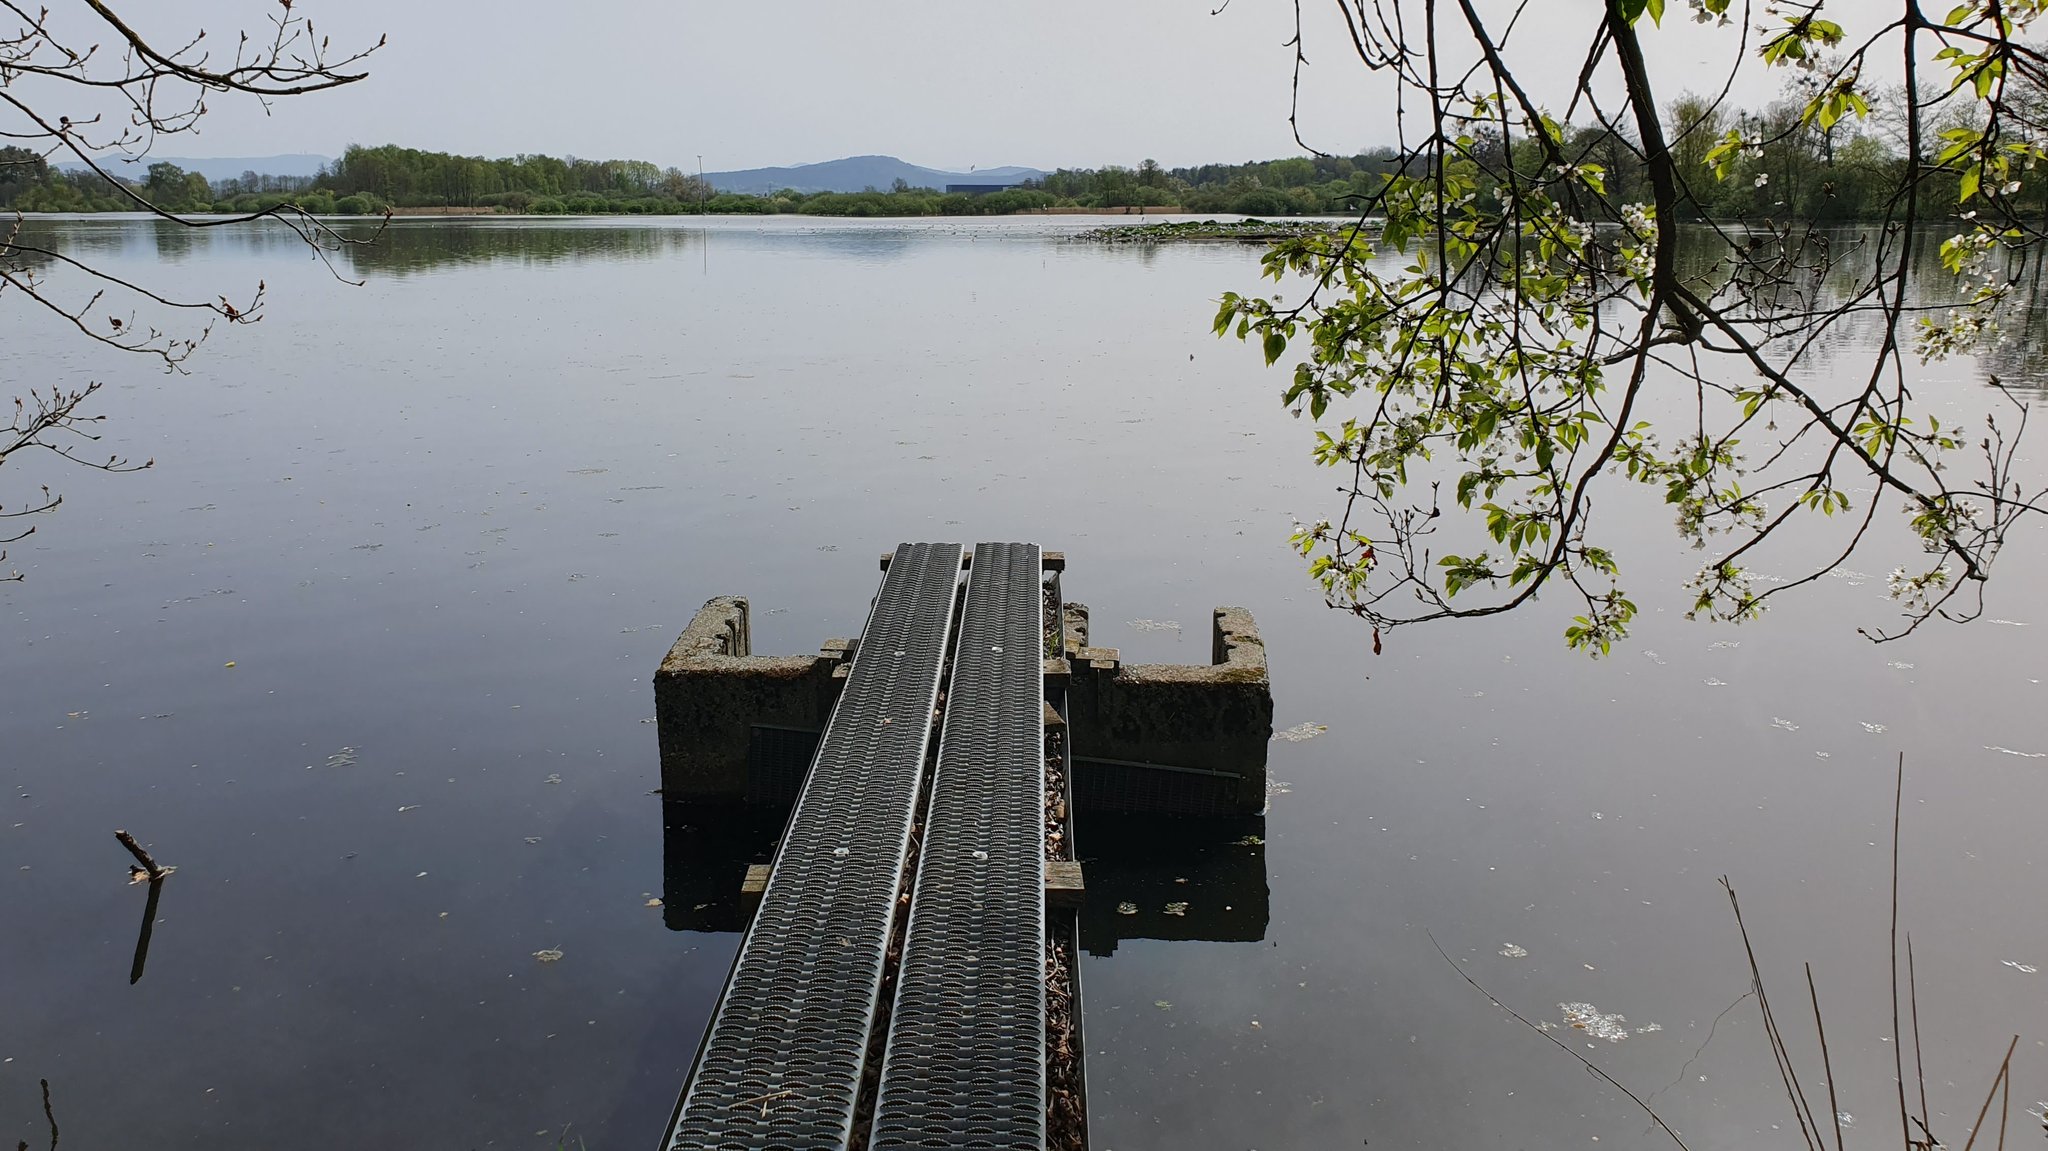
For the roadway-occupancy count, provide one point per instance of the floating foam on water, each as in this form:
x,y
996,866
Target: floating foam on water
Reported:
x,y
1653,657
1301,731
1717,683
2022,968
1594,1022
1824,755
2021,754
1786,724
1513,952
1154,625
2007,622
1873,728
1900,664
1724,644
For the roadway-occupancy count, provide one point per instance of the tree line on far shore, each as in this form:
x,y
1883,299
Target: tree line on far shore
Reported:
x,y
1793,168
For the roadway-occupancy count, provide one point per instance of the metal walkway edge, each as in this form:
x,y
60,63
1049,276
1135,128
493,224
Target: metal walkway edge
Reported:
x,y
782,1061
965,1063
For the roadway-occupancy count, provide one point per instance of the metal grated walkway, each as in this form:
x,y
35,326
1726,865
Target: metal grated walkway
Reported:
x,y
965,1063
782,1061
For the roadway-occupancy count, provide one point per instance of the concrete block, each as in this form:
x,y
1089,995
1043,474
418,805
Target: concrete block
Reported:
x,y
712,690
1204,729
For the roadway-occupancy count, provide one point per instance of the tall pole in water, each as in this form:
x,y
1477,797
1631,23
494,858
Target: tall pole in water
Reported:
x,y
703,189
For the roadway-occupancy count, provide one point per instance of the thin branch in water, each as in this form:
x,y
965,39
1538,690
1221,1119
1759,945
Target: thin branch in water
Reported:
x,y
1589,1064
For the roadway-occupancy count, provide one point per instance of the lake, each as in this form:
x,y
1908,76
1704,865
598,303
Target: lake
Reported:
x,y
367,657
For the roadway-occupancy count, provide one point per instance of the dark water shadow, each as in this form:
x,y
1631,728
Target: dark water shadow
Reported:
x,y
705,852
1152,877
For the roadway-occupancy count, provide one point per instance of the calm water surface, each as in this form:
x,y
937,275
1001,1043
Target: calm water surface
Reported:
x,y
367,657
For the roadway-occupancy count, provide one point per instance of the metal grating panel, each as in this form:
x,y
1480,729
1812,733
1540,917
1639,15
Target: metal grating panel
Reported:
x,y
965,1062
782,1061
778,759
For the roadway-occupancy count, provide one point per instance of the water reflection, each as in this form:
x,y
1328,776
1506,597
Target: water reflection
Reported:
x,y
409,247
705,852
1154,877
156,890
1148,877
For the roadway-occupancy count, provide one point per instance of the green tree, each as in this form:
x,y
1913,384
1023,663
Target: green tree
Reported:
x,y
1517,349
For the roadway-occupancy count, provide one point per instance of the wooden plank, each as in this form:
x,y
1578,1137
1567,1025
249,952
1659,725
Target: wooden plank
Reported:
x,y
1064,887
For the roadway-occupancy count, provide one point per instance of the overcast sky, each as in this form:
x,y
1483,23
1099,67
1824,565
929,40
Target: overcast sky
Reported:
x,y
945,83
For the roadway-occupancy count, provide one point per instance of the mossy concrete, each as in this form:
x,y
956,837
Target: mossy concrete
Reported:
x,y
1206,727
711,691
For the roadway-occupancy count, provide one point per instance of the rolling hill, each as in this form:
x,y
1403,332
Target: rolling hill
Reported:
x,y
855,173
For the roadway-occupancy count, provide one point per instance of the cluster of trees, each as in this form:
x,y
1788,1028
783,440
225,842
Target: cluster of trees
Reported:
x,y
29,184
1797,169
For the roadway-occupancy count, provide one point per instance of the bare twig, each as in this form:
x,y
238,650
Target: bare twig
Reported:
x,y
150,867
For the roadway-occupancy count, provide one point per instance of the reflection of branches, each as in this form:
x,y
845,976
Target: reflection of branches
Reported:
x,y
1547,334
1799,1094
61,93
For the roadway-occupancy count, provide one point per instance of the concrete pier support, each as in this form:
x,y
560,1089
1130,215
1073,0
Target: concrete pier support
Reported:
x,y
1178,739
716,703
1168,739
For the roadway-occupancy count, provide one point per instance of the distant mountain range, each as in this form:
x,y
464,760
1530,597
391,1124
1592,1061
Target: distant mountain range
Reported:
x,y
856,173
221,168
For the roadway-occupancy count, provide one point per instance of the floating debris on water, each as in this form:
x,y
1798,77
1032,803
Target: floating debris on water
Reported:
x,y
1162,1005
1514,952
1653,657
1176,909
1301,731
1717,683
2021,754
651,902
1824,755
1724,644
1127,908
548,954
2022,968
1594,1022
552,779
1900,664
2007,622
1154,625
1874,728
1785,724
1252,841
346,757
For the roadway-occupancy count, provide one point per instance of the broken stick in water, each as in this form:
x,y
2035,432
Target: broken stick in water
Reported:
x,y
150,868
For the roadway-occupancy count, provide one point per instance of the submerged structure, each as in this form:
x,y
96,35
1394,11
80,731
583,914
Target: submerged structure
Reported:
x,y
909,975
